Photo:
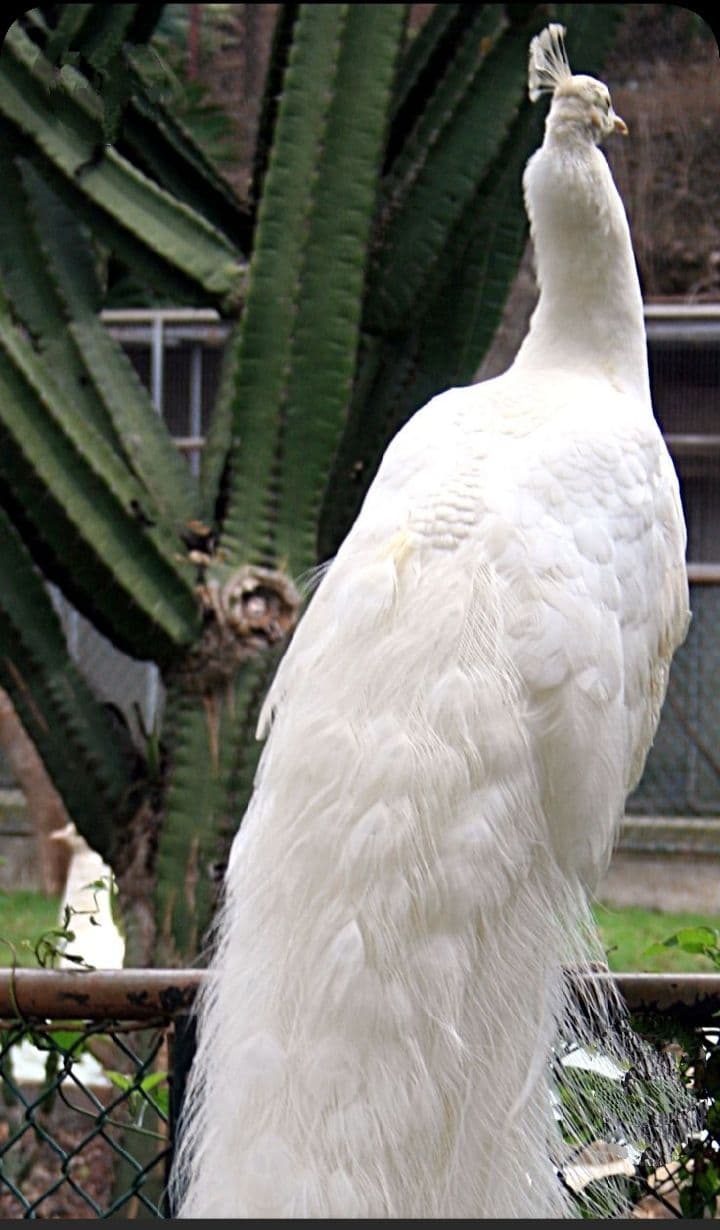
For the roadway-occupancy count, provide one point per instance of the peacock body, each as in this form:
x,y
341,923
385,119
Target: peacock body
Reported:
x,y
465,705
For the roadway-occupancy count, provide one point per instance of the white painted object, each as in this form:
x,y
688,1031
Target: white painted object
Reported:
x,y
87,895
29,1067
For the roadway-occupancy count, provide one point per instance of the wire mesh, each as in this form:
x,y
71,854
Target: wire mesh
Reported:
x,y
685,1183
682,774
84,1123
89,1105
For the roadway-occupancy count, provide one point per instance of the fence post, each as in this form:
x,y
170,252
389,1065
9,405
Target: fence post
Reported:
x,y
182,1051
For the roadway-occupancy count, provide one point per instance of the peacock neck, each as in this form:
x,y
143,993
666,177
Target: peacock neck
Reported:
x,y
589,315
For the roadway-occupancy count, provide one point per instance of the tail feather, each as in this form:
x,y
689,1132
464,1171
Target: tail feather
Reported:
x,y
387,981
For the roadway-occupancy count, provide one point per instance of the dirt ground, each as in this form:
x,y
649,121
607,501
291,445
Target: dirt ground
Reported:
x,y
66,1151
83,1187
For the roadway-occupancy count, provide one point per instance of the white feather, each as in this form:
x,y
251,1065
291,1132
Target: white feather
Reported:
x,y
464,707
548,63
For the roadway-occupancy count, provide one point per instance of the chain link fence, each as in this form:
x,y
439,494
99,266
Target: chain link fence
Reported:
x,y
682,774
93,1067
85,1120
91,1071
91,1074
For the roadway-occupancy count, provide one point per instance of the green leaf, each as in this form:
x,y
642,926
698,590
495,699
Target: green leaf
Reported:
x,y
161,1099
119,1079
152,1080
695,939
658,946
70,1041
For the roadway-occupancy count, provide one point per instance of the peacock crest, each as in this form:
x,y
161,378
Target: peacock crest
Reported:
x,y
548,63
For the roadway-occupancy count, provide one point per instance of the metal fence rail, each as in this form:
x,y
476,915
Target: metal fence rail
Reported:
x,y
92,1070
89,1083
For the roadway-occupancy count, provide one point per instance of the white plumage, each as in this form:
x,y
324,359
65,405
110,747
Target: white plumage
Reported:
x,y
462,712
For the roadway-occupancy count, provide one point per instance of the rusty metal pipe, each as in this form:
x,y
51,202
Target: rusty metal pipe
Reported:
x,y
144,994
97,995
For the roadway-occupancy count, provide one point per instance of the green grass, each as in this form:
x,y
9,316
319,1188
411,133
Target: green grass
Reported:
x,y
24,916
628,933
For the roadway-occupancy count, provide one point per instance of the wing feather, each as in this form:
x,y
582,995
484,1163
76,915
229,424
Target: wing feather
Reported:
x,y
578,519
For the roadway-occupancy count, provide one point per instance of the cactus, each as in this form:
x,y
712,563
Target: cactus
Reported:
x,y
383,230
159,236
69,728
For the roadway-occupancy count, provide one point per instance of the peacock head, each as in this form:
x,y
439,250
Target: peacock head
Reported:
x,y
579,102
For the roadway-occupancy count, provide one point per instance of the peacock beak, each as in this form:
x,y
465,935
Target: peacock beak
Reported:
x,y
620,126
